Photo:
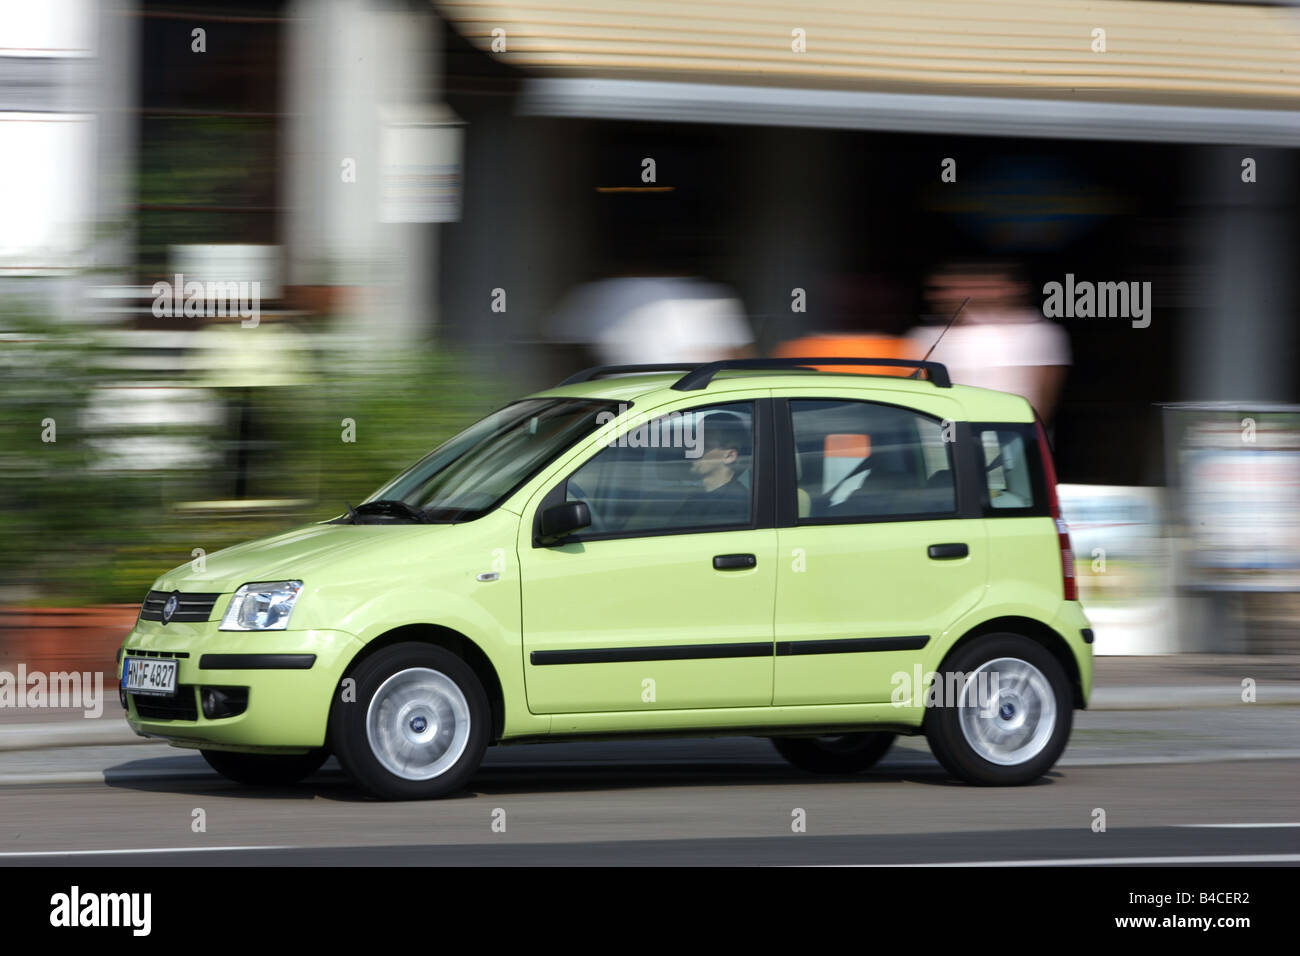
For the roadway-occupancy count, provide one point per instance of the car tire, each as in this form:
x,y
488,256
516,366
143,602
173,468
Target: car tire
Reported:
x,y
265,770
418,726
1017,731
845,753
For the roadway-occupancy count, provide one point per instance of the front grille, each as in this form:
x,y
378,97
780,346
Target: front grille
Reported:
x,y
193,607
131,652
183,706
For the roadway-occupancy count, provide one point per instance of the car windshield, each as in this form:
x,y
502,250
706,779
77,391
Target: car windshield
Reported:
x,y
471,474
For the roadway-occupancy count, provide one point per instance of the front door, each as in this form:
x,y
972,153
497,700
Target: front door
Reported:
x,y
666,601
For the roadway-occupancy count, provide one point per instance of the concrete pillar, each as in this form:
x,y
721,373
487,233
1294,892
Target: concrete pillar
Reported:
x,y
1241,343
354,66
525,230
788,236
116,94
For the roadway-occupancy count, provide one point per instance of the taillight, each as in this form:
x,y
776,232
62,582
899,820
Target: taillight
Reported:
x,y
1068,584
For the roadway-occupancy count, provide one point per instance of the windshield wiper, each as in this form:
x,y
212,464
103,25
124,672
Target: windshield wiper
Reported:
x,y
389,507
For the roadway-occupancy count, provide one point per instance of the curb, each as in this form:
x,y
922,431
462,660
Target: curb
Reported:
x,y
1180,698
98,776
88,733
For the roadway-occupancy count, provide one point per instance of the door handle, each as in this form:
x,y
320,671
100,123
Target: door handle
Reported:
x,y
946,551
733,562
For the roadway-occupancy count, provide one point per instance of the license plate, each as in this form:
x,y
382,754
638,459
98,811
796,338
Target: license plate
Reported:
x,y
152,676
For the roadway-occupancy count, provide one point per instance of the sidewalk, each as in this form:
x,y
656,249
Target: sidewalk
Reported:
x,y
1175,681
1172,682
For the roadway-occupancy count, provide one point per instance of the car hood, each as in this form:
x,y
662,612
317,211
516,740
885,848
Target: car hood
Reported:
x,y
306,554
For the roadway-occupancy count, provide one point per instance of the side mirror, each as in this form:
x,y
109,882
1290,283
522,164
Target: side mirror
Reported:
x,y
559,520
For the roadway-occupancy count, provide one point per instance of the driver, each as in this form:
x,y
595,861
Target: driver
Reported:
x,y
721,498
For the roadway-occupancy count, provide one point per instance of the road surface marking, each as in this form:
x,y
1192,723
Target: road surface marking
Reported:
x,y
158,849
1106,861
1235,826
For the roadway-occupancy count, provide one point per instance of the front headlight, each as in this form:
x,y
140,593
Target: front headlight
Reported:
x,y
262,607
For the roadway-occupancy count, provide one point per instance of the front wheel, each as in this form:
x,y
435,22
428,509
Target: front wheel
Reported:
x,y
1010,714
847,753
418,726
265,770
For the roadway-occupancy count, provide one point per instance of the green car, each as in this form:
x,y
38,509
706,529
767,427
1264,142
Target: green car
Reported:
x,y
753,547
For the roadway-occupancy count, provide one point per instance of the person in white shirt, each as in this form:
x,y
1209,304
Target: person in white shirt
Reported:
x,y
999,340
637,319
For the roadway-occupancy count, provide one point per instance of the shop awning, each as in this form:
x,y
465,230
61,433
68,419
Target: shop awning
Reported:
x,y
1189,72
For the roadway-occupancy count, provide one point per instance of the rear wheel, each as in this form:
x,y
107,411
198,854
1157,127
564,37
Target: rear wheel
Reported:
x,y
265,770
1012,714
846,753
418,727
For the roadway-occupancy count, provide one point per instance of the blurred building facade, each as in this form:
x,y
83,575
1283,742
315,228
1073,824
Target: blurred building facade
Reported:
x,y
394,168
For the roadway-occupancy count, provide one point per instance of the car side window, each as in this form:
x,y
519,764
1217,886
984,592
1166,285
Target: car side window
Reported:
x,y
1007,468
869,461
689,470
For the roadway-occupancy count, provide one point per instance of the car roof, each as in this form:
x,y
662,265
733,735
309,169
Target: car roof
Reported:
x,y
655,388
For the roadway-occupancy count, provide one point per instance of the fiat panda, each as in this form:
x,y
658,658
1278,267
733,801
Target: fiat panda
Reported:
x,y
824,552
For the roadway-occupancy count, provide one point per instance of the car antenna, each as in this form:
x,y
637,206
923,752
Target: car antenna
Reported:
x,y
942,334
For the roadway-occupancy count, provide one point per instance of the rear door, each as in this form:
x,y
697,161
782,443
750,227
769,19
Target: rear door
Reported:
x,y
881,547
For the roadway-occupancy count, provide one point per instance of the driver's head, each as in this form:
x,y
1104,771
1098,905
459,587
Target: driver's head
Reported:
x,y
725,443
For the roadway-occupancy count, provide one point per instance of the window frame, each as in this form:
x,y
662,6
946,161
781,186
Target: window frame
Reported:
x,y
762,500
966,504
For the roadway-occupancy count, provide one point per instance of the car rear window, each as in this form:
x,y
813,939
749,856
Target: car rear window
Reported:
x,y
1012,471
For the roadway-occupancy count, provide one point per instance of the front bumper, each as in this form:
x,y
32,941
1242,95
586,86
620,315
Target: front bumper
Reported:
x,y
290,677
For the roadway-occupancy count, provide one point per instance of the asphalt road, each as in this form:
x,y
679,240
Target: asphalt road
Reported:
x,y
1197,787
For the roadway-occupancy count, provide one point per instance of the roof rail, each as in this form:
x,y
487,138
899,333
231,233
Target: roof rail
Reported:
x,y
586,375
700,376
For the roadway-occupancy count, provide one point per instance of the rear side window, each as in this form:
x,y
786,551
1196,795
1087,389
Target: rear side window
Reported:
x,y
1012,469
862,461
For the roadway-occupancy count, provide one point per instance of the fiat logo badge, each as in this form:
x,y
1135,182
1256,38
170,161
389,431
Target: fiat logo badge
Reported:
x,y
169,608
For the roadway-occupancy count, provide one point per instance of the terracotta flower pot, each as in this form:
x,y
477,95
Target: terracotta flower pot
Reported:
x,y
64,639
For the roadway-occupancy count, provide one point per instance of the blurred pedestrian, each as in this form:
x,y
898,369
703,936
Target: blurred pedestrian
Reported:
x,y
999,340
653,306
634,319
866,319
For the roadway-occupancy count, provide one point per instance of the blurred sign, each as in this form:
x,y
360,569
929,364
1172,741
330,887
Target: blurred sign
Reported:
x,y
51,28
1239,473
47,191
1123,562
147,427
421,153
229,262
1026,205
